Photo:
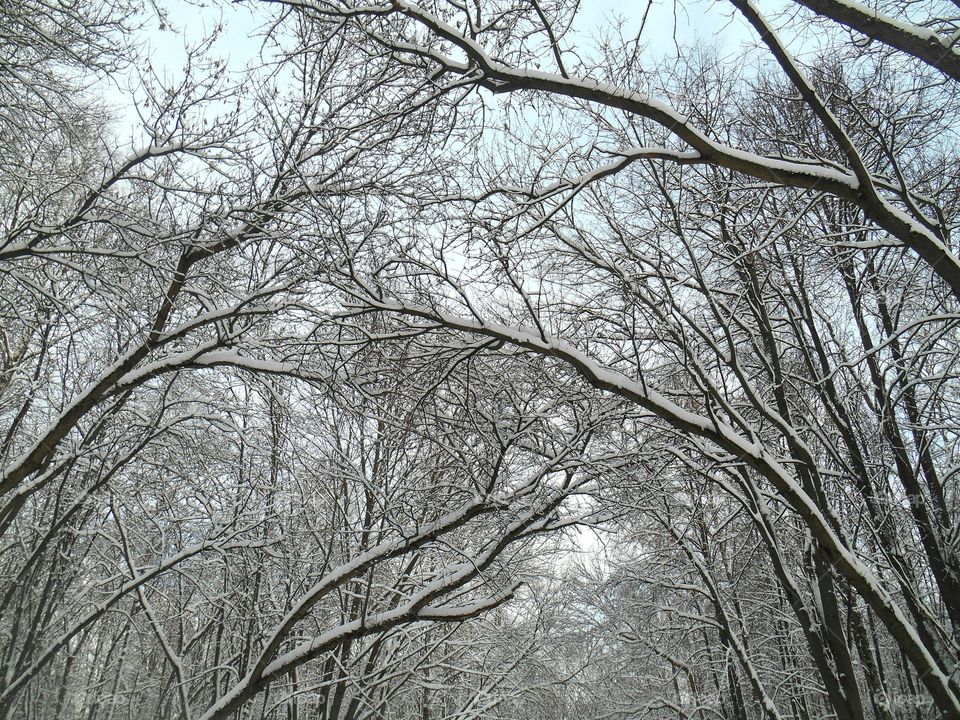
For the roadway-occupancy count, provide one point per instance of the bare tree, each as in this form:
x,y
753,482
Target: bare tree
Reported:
x,y
296,396
204,466
728,273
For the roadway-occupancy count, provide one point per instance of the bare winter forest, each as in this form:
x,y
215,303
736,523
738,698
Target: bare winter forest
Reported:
x,y
470,361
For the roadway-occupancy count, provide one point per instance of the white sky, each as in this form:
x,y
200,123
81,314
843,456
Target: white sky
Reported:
x,y
190,21
667,22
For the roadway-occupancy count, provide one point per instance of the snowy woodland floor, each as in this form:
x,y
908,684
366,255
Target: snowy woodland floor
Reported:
x,y
479,359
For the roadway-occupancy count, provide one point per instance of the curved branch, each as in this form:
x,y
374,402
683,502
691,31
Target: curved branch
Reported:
x,y
925,45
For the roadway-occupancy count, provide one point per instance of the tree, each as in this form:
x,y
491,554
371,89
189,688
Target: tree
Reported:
x,y
296,396
669,279
205,466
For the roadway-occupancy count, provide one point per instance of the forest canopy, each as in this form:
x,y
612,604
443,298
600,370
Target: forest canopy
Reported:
x,y
467,360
